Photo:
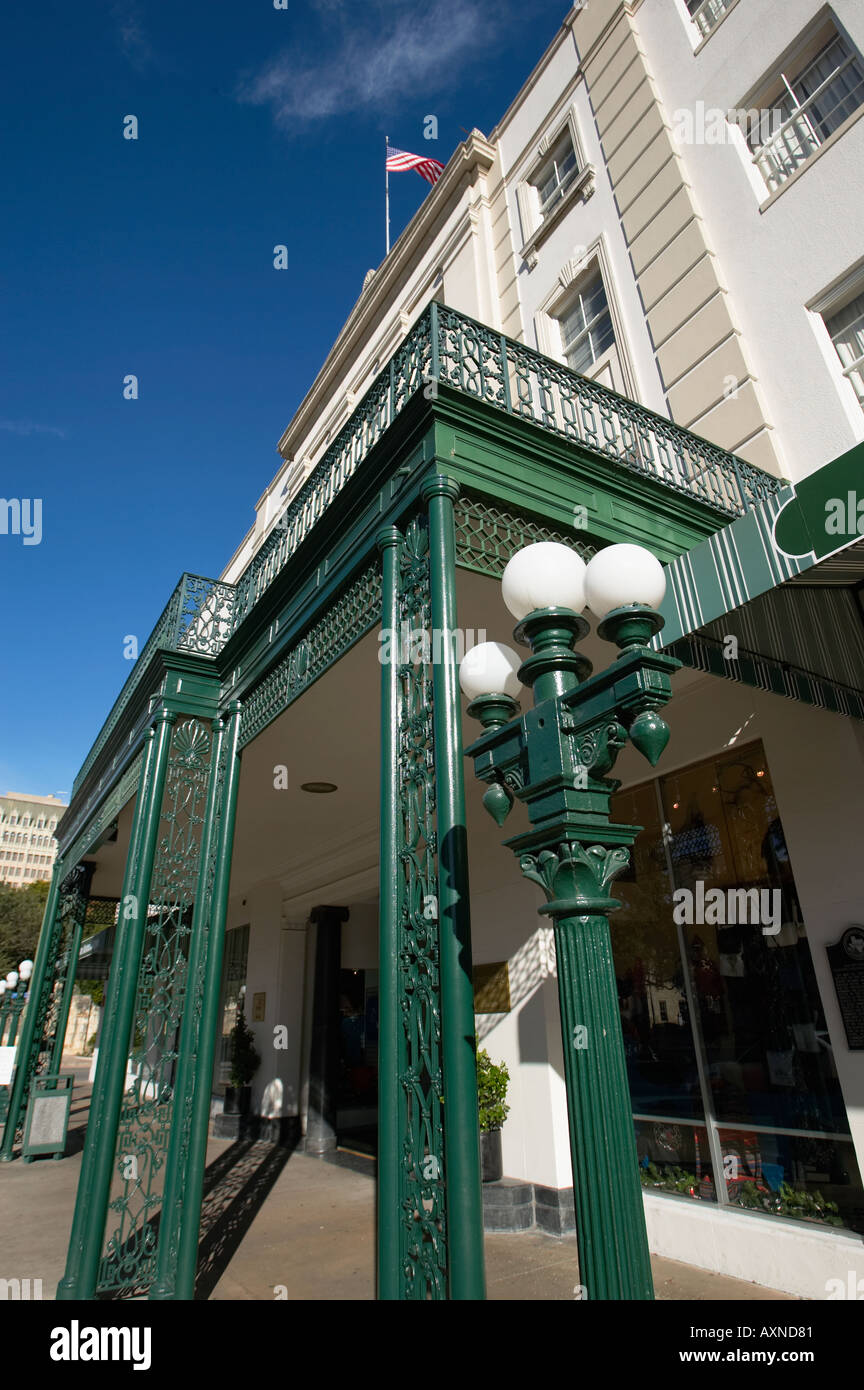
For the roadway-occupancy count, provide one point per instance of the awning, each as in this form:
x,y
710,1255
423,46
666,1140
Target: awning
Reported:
x,y
785,582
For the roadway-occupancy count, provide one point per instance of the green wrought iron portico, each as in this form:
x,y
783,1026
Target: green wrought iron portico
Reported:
x,y
467,446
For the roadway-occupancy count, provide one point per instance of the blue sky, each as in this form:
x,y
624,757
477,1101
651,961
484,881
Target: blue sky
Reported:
x,y
154,257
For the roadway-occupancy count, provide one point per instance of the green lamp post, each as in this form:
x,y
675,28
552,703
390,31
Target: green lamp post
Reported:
x,y
555,758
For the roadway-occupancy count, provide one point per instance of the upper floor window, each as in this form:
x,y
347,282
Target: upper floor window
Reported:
x,y
555,176
809,99
708,13
846,327
586,324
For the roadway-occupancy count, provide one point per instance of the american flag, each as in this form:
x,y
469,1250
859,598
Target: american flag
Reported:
x,y
398,161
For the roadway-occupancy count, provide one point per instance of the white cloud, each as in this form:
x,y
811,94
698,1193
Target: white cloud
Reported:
x,y
370,55
131,34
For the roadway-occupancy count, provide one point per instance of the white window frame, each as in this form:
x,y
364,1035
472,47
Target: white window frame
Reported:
x,y
707,15
535,224
825,307
779,85
547,320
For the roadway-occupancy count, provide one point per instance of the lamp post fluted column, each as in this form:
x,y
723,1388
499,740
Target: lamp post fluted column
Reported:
x,y
556,758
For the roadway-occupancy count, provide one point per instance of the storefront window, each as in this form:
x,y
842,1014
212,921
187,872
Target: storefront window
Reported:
x,y
655,1016
712,929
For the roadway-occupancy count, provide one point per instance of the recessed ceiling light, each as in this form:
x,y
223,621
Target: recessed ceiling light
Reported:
x,y
318,787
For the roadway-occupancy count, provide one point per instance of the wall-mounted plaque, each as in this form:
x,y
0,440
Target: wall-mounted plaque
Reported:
x,y
259,1007
492,988
846,958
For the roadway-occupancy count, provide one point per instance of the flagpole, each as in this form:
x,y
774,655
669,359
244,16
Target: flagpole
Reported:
x,y
387,191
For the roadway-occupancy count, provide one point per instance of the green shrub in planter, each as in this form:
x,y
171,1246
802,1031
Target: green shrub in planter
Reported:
x,y
492,1083
245,1061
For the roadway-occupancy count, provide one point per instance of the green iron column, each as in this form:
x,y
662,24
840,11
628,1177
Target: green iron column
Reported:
x,y
73,948
389,1023
461,1122
199,1119
176,1175
94,1186
41,984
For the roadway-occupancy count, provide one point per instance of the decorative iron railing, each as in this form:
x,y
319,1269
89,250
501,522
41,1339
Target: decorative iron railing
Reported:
x,y
449,348
197,617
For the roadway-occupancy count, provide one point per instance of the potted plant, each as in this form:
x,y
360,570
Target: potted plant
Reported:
x,y
245,1061
492,1083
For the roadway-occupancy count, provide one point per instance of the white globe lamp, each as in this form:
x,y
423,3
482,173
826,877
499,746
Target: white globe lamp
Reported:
x,y
622,575
490,668
545,575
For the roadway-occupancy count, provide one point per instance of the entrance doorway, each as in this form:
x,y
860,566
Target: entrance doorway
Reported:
x,y
357,1098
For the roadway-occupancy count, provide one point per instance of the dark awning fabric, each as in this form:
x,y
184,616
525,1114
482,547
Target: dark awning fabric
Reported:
x,y
797,619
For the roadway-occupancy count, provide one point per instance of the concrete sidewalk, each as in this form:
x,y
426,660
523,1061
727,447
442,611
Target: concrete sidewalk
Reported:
x,y
280,1225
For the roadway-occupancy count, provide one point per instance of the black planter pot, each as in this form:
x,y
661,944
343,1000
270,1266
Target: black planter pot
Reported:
x,y
237,1100
491,1162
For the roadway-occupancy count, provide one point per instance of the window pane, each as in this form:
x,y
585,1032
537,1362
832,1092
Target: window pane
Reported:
x,y
707,13
841,68
845,90
586,328
847,332
806,1179
675,1158
556,177
768,1055
660,1053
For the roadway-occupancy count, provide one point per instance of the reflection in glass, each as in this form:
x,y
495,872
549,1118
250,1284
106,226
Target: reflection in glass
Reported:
x,y
759,1031
675,1157
658,1041
806,1178
766,1043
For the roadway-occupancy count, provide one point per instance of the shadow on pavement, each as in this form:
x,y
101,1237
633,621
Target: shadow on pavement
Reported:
x,y
236,1185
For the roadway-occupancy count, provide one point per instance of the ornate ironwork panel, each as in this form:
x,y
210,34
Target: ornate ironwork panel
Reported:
x,y
487,536
47,997
421,1128
353,614
128,1262
204,615
195,993
198,617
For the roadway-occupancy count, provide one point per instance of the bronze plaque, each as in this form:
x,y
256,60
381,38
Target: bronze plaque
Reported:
x,y
492,988
259,1007
846,958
